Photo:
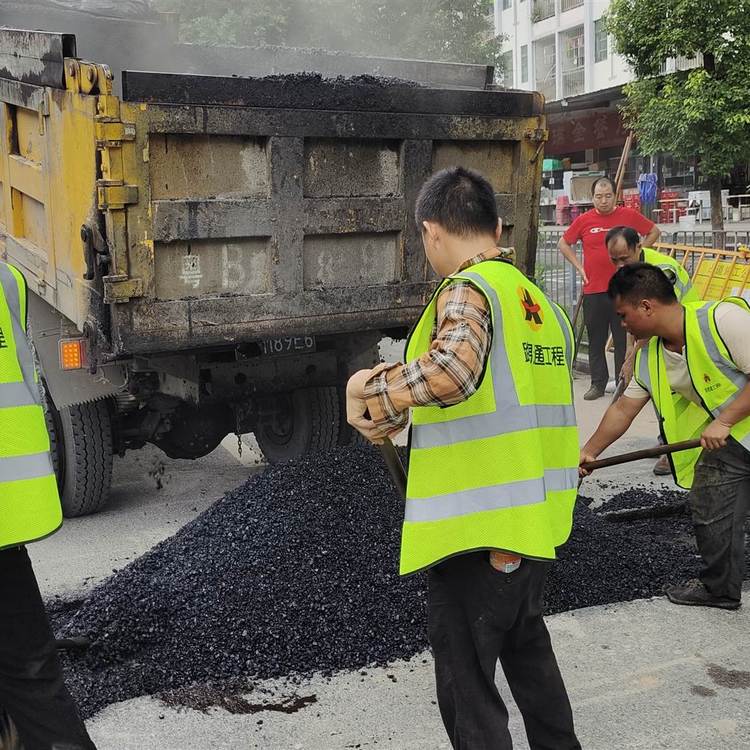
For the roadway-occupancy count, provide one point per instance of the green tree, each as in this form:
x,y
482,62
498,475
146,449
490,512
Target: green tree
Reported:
x,y
452,30
703,112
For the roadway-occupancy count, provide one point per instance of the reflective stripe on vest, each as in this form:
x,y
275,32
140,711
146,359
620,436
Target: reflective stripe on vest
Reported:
x,y
29,500
708,354
512,494
498,470
16,394
683,286
32,466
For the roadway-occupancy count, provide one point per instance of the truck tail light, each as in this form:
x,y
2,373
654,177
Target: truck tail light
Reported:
x,y
72,354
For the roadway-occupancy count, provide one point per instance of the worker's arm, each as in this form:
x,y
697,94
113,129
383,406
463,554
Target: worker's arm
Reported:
x,y
716,434
652,236
378,400
572,258
615,423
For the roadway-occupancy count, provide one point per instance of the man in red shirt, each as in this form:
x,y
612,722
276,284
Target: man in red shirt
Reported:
x,y
598,313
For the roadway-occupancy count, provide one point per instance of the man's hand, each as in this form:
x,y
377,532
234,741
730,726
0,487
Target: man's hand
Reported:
x,y
715,435
585,458
572,258
356,410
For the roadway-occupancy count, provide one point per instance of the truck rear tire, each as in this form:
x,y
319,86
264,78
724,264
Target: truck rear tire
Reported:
x,y
81,446
347,434
306,421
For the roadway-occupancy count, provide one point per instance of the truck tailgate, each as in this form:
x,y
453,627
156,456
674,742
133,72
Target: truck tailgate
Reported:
x,y
283,205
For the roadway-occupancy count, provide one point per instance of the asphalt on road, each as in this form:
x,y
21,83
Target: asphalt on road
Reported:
x,y
642,674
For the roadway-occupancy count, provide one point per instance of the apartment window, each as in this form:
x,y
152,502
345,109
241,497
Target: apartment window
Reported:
x,y
573,46
544,67
506,60
524,63
570,4
542,9
600,40
507,4
573,58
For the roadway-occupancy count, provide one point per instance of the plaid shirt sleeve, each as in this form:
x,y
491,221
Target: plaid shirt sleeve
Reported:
x,y
446,374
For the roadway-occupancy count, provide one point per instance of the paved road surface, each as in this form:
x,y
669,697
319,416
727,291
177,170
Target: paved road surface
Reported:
x,y
641,675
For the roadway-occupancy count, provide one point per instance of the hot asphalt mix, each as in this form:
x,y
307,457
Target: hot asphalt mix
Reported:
x,y
295,572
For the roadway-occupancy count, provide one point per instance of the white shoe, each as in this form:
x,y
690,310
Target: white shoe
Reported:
x,y
610,387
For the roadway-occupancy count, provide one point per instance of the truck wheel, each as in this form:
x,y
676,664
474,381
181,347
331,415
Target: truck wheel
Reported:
x,y
303,421
347,434
52,418
81,446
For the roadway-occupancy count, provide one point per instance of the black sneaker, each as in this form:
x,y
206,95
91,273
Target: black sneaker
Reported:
x,y
593,393
694,593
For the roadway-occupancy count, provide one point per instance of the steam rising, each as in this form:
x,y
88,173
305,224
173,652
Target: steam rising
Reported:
x,y
213,36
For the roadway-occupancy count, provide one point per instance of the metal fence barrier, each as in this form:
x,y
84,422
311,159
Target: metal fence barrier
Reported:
x,y
554,275
560,282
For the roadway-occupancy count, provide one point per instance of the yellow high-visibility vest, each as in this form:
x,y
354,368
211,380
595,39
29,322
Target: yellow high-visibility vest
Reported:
x,y
715,378
29,501
500,469
683,287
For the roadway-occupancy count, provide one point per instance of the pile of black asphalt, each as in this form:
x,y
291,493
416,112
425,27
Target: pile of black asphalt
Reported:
x,y
296,572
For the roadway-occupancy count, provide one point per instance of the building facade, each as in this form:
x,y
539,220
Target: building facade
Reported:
x,y
558,47
561,48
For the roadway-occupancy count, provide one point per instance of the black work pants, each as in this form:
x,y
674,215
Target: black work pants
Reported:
x,y
719,501
32,690
600,319
478,615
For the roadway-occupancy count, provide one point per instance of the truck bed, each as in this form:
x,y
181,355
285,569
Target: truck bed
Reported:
x,y
232,209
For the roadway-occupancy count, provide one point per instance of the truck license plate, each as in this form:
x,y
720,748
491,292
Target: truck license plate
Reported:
x,y
287,345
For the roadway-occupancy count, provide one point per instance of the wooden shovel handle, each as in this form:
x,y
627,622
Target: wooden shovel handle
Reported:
x,y
624,458
395,467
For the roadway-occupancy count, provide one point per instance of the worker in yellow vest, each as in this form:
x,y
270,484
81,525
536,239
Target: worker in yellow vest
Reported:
x,y
32,691
492,467
624,247
696,371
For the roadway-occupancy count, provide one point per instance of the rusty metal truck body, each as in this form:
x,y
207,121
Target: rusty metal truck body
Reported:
x,y
229,249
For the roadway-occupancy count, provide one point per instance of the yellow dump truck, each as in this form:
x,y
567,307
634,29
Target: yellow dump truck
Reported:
x,y
210,254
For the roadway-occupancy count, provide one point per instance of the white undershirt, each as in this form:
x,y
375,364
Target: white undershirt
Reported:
x,y
733,325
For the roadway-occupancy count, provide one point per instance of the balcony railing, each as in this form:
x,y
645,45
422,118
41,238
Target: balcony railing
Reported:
x,y
688,63
573,82
547,88
570,4
542,9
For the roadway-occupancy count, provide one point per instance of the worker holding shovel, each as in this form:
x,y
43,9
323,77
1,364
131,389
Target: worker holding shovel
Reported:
x,y
492,467
624,247
696,371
